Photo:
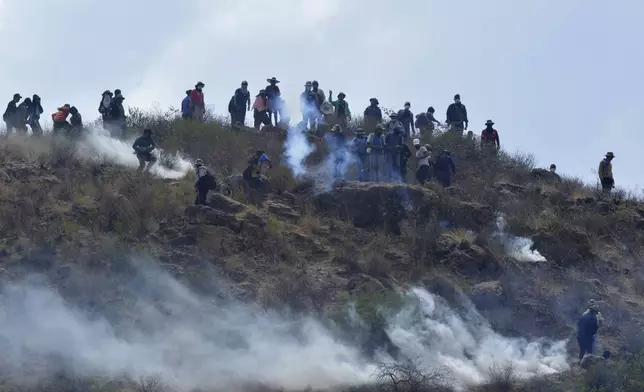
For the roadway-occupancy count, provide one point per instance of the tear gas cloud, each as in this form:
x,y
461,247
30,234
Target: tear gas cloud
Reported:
x,y
97,144
519,248
296,149
193,341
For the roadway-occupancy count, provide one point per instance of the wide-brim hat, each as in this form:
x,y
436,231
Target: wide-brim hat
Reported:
x,y
342,95
200,84
489,122
272,80
610,154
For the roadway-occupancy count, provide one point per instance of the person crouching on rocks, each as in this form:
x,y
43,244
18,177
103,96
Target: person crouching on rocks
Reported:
x,y
205,182
143,147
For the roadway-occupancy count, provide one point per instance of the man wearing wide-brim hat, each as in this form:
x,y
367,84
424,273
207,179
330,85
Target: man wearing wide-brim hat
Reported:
x,y
197,102
272,98
605,173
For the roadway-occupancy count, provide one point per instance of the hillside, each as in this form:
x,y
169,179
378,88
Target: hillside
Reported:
x,y
114,280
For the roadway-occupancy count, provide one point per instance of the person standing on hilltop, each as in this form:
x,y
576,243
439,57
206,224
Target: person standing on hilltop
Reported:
x,y
272,94
117,115
241,104
143,147
320,98
197,102
186,113
587,328
372,115
425,122
104,108
260,110
9,115
22,115
376,151
423,155
33,119
60,119
490,138
457,115
76,121
605,172
406,117
394,142
308,106
359,151
342,111
337,144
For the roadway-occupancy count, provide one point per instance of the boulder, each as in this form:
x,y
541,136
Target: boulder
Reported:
x,y
474,261
225,204
283,211
209,216
487,294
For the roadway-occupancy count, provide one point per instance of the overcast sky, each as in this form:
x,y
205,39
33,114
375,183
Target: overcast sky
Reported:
x,y
562,79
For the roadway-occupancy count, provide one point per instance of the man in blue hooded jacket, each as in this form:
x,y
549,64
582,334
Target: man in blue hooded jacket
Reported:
x,y
587,327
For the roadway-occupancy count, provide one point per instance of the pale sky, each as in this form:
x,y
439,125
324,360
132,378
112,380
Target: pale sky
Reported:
x,y
561,79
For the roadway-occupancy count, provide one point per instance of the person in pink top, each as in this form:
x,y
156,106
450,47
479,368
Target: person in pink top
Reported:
x,y
197,105
260,110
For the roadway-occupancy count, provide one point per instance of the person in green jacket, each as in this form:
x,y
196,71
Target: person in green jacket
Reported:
x,y
342,111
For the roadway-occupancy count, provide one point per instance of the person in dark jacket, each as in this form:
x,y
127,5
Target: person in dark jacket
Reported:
x,y
425,122
204,183
22,116
490,138
252,175
359,150
117,115
406,117
342,112
587,327
143,147
272,93
186,111
605,172
372,115
241,104
394,142
308,106
405,154
457,115
444,168
337,145
35,111
76,121
9,115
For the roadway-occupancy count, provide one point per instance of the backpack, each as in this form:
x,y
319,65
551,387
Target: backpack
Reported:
x,y
232,105
209,181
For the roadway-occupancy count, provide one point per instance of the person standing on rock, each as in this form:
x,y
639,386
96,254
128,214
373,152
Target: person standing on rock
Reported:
x,y
342,111
587,327
423,155
605,172
272,94
240,105
490,138
376,151
143,147
117,115
359,151
205,182
457,115
197,102
406,117
372,115
260,110
444,168
425,122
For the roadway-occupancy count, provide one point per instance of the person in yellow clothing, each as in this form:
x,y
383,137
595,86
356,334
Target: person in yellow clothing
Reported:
x,y
605,173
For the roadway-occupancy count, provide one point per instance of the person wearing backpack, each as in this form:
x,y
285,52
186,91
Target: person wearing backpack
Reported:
x,y
425,122
359,151
444,168
205,182
143,147
376,151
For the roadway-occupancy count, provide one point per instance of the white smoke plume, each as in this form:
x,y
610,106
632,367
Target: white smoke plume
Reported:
x,y
194,341
519,248
437,336
97,144
296,149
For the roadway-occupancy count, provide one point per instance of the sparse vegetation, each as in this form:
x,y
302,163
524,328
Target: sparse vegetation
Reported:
x,y
323,256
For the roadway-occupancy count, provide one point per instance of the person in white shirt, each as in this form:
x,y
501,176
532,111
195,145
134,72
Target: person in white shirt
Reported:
x,y
423,154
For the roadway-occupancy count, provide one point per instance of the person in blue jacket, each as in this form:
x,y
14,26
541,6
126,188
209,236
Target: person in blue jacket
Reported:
x,y
444,168
587,327
186,111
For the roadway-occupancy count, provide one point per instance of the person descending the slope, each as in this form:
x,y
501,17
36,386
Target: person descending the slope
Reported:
x,y
490,138
186,113
60,119
9,115
376,151
394,141
605,172
342,112
425,122
406,117
423,155
587,328
260,110
204,182
198,102
359,151
253,175
104,108
338,145
457,115
444,168
76,121
22,115
117,115
372,115
241,104
272,93
143,147
35,111
308,107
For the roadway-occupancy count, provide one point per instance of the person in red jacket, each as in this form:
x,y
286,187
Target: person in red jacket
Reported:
x,y
490,137
197,105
